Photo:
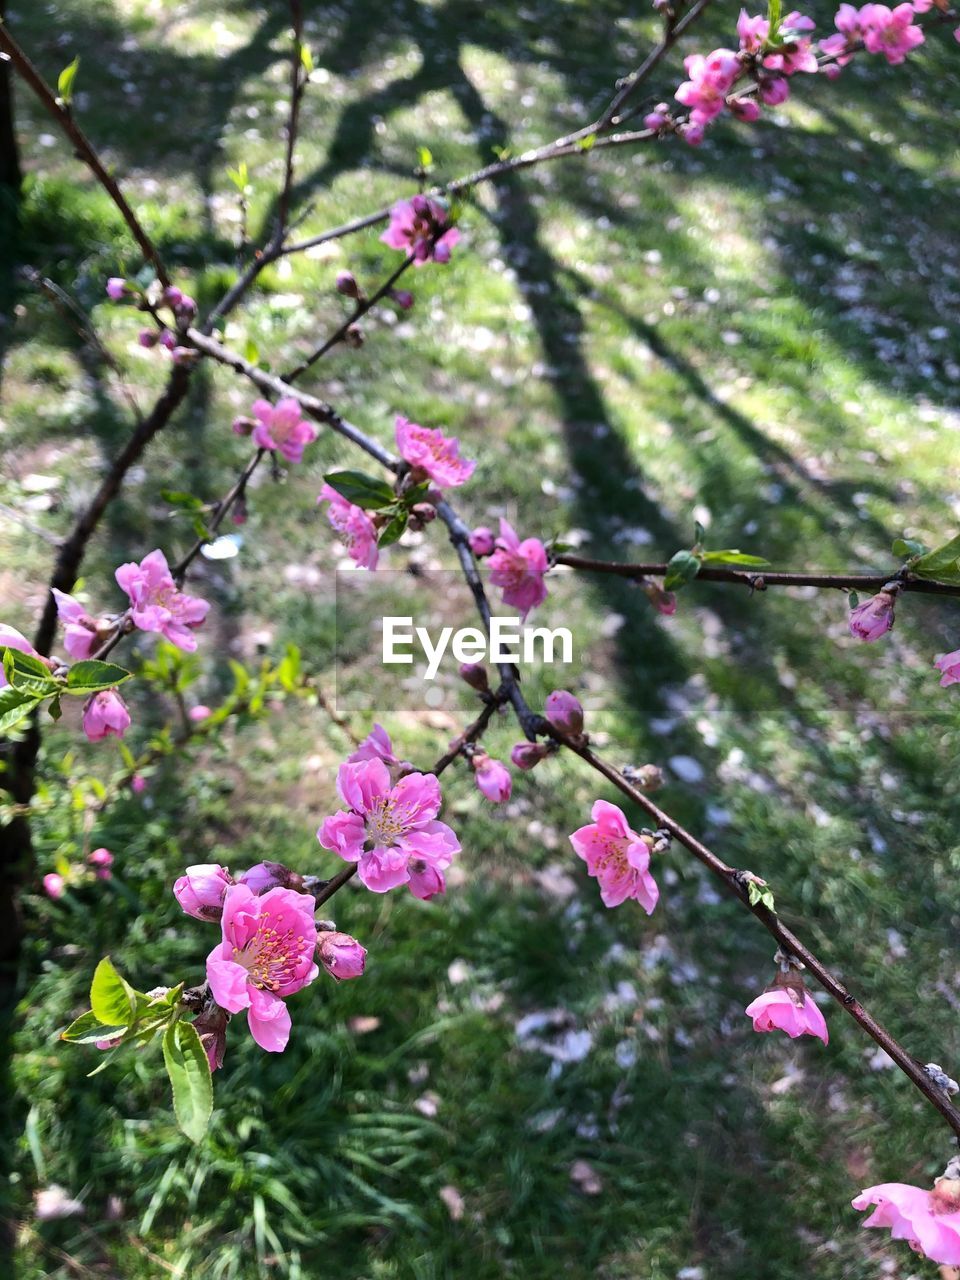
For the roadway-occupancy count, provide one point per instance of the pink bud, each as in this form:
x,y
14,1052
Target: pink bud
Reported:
x,y
664,602
199,712
243,426
239,513
526,755
138,783
658,117
564,712
475,675
109,1042
874,618
54,885
270,875
148,338
341,956
347,284
492,778
168,339
201,889
172,296
774,91
104,714
184,355
482,541
403,298
101,860
116,288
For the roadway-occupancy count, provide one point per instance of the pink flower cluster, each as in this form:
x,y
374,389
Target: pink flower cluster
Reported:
x,y
421,227
356,530
878,28
432,455
518,568
390,830
158,604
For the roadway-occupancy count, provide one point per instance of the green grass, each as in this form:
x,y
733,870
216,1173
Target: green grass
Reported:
x,y
751,334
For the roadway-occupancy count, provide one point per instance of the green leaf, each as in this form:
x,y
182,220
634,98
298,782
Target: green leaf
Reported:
x,y
239,176
88,1028
682,567
91,676
906,548
699,534
760,893
55,709
15,705
189,1073
425,156
587,143
28,673
185,501
733,556
65,82
853,599
360,489
251,352
393,531
502,153
288,672
774,14
943,563
306,59
112,999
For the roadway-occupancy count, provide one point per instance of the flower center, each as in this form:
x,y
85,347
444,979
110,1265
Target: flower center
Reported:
x,y
271,956
612,858
384,823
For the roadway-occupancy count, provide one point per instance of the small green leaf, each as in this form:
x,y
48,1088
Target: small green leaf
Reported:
x,y
393,531
91,676
699,534
189,1073
906,548
360,489
682,567
65,82
502,153
177,498
112,999
760,893
774,13
306,59
733,556
587,143
88,1028
288,672
853,599
239,177
55,709
251,352
28,673
15,705
943,563
425,156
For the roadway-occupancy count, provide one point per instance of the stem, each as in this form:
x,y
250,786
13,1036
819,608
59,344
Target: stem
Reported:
x,y
760,579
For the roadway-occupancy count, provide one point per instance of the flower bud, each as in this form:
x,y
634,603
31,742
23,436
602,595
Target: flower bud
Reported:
x,y
211,1027
564,712
239,513
341,956
475,675
185,355
148,338
658,117
648,777
354,336
172,296
104,714
243,426
138,783
101,860
347,284
874,618
492,777
424,512
168,339
482,541
403,298
199,712
201,890
116,288
526,755
664,602
270,875
54,885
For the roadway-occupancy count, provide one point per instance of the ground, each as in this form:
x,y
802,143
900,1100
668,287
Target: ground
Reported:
x,y
760,334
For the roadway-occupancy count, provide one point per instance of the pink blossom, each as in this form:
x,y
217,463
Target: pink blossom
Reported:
x,y
116,288
138,783
518,567
617,857
797,53
432,455
54,885
417,227
104,714
928,1220
79,630
873,618
391,832
783,1009
11,638
891,32
949,664
657,118
341,956
355,528
168,340
157,604
377,746
745,109
492,778
564,712
849,34
280,426
527,755
774,90
403,298
265,955
482,541
199,712
101,860
711,79
753,32
201,890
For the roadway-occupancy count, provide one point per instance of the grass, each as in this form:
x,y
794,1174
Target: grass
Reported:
x,y
760,334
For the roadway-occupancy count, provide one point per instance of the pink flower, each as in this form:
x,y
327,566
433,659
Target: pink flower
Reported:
x,y
752,32
377,746
518,567
54,885
138,783
797,53
157,604
891,32
432,455
79,630
11,638
341,956
355,528
105,713
774,91
199,712
783,1009
711,79
390,831
280,426
417,227
482,541
201,890
101,860
265,955
928,1220
873,618
116,288
492,778
949,664
849,35
564,712
617,857
527,755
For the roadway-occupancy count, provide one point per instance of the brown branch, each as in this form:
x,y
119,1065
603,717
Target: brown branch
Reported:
x,y
760,579
83,148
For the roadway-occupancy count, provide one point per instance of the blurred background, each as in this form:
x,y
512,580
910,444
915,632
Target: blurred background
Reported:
x,y
760,334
